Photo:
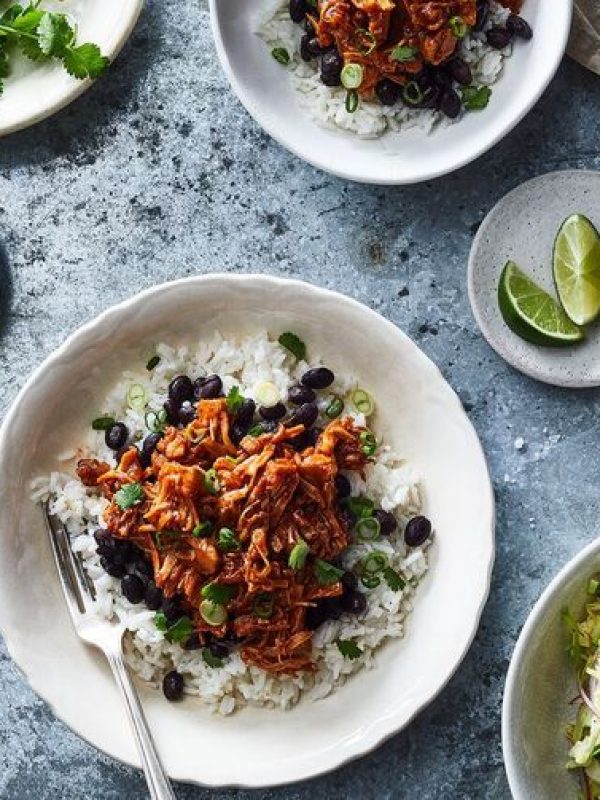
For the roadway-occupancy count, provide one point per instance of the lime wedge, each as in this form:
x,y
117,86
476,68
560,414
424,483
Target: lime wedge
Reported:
x,y
532,313
577,269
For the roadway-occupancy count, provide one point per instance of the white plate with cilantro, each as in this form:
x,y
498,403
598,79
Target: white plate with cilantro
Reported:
x,y
50,51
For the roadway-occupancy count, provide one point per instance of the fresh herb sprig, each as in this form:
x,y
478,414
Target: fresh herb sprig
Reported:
x,y
44,35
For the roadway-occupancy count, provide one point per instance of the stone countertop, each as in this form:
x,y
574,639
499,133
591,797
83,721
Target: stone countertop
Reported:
x,y
157,173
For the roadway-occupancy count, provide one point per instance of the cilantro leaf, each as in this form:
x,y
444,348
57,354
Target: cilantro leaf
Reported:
x,y
129,495
203,529
299,554
179,631
85,61
348,648
218,593
326,573
103,423
211,660
360,506
54,34
403,53
160,621
293,343
235,399
395,581
475,98
227,540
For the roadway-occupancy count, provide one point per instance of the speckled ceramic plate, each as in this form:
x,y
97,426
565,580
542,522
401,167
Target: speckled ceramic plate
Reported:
x,y
522,227
416,411
540,686
35,91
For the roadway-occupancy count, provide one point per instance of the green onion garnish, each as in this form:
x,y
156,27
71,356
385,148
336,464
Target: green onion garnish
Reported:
x,y
299,554
352,76
351,101
293,343
412,93
364,41
370,581
130,494
403,53
458,27
156,421
211,481
227,540
592,587
179,631
367,529
263,605
211,660
213,613
281,55
203,529
363,402
103,423
335,407
368,443
136,396
219,593
360,506
154,361
374,563
256,430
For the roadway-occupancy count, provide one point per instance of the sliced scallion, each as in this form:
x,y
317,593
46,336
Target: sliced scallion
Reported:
x,y
335,407
263,605
370,581
351,101
211,481
202,529
103,423
412,94
368,443
352,76
153,362
281,55
266,394
367,529
363,402
403,53
458,27
213,613
137,397
374,563
364,41
299,554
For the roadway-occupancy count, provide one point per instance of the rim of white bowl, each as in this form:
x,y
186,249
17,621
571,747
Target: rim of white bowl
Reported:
x,y
427,174
385,728
510,686
112,50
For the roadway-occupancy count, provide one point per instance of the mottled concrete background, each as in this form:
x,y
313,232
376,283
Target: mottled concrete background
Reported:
x,y
158,173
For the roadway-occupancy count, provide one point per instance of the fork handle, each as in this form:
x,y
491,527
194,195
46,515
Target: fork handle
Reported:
x,y
156,777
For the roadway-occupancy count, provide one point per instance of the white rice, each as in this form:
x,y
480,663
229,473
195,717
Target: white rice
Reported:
x,y
389,482
372,119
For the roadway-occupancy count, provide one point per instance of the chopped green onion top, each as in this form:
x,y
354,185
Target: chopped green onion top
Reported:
x,y
299,554
179,631
203,529
367,529
154,361
293,343
360,506
412,93
103,423
211,481
403,53
218,592
211,660
281,54
263,605
136,396
395,581
335,407
370,581
351,101
213,613
364,41
348,648
130,494
458,27
368,443
363,402
374,563
593,585
156,421
352,76
475,98
326,573
235,399
227,540
256,430
266,394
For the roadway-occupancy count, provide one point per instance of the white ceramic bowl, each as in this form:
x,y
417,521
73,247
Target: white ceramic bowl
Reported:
x,y
34,92
268,95
419,414
539,687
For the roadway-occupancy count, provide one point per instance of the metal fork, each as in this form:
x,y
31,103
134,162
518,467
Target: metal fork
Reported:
x,y
79,594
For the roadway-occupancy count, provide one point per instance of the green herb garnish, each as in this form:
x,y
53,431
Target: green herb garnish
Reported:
x,y
360,506
348,648
294,344
211,660
326,573
179,631
403,53
299,554
214,614
103,423
395,581
367,529
235,400
256,430
351,101
203,529
335,407
156,421
211,481
281,54
475,98
218,592
227,540
154,361
129,495
368,443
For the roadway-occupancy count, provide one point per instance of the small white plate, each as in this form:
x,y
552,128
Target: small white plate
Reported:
x,y
34,92
410,157
522,227
417,412
540,686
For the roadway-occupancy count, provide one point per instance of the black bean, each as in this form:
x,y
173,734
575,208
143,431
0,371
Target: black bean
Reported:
x,y
346,516
153,596
349,580
148,447
173,685
353,602
461,71
483,13
450,104
442,77
113,568
218,649
331,68
305,415
309,47
519,27
104,537
498,38
133,588
315,616
333,607
237,433
245,415
192,642
187,414
417,531
388,92
208,388
272,412
342,486
121,555
142,568
318,378
231,639
116,436
172,410
298,395
298,9
387,522
105,550
171,608
181,389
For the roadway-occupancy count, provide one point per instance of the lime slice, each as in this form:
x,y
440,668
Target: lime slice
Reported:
x,y
532,313
577,269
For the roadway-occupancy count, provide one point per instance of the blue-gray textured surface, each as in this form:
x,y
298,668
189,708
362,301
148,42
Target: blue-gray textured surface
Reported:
x,y
158,173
